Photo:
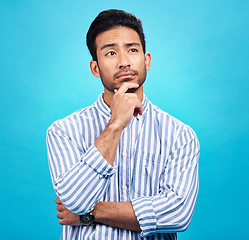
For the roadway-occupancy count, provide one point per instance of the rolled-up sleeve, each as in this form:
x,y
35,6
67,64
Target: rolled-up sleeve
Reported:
x,y
80,177
172,208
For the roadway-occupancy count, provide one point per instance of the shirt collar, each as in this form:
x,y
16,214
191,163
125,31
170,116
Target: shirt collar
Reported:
x,y
106,111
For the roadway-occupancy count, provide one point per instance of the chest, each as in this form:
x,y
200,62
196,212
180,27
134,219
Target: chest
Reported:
x,y
140,161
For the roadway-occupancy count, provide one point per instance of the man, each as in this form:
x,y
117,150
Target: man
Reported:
x,y
122,168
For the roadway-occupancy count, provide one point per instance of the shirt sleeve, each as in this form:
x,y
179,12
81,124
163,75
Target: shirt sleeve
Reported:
x,y
171,209
80,177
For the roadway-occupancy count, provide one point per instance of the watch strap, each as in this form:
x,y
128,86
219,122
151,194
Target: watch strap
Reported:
x,y
86,219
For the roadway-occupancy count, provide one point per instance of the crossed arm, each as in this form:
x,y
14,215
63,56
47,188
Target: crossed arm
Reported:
x,y
114,214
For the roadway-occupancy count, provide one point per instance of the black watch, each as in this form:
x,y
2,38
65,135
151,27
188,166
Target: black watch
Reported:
x,y
87,219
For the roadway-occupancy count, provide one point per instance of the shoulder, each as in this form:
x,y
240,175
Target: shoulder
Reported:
x,y
72,121
168,122
162,116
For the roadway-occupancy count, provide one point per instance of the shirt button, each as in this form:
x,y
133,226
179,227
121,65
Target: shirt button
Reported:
x,y
124,187
124,154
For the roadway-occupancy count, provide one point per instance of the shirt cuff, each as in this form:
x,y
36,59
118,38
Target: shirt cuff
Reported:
x,y
95,160
145,214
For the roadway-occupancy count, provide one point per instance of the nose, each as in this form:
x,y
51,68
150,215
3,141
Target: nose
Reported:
x,y
124,61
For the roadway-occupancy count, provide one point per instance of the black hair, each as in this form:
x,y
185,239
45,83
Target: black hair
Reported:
x,y
109,19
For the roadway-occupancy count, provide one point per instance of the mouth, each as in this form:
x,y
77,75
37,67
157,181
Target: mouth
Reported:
x,y
125,75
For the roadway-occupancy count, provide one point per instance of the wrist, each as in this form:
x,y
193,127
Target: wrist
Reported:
x,y
95,213
86,219
99,213
115,126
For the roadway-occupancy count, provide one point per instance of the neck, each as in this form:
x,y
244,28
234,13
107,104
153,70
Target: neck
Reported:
x,y
108,96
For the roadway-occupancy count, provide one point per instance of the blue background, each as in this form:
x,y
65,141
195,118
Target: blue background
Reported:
x,y
199,74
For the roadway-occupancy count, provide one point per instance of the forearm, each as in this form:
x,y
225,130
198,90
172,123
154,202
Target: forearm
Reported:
x,y
108,140
123,107
116,214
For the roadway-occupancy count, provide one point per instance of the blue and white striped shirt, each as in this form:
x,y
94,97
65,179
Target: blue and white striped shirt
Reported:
x,y
156,168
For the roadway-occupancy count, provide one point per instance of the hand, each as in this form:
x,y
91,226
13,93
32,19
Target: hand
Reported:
x,y
67,217
125,105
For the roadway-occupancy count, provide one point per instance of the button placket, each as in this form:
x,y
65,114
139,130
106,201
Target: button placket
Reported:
x,y
125,165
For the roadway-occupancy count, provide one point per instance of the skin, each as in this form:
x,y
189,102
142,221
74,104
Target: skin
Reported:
x,y
122,67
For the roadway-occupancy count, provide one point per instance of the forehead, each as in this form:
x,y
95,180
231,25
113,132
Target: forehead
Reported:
x,y
118,35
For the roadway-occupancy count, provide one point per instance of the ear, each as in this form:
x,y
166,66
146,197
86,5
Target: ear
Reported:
x,y
147,60
94,68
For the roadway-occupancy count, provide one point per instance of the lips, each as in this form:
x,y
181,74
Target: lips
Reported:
x,y
125,75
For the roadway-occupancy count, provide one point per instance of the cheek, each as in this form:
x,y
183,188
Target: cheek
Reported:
x,y
143,67
104,69
106,74
107,66
141,63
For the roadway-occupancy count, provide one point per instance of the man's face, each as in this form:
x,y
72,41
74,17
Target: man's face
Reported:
x,y
120,58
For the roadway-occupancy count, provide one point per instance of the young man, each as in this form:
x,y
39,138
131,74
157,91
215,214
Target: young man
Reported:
x,y
122,168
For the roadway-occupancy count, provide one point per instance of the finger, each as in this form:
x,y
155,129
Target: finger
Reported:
x,y
125,86
70,221
62,222
135,112
138,107
138,110
60,215
58,201
66,221
60,207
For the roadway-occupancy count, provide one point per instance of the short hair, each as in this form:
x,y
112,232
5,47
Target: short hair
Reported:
x,y
109,19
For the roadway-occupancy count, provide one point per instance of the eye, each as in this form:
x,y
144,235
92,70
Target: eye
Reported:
x,y
133,50
110,53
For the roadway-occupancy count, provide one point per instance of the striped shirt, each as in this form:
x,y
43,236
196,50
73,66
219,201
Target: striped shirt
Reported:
x,y
156,168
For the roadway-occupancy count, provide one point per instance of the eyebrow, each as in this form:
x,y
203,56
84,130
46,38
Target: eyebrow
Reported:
x,y
114,44
107,46
132,44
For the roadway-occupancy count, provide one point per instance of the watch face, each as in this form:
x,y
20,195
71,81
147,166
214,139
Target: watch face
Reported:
x,y
86,219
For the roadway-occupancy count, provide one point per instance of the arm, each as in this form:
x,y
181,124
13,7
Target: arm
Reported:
x,y
114,214
79,177
123,107
170,210
78,181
